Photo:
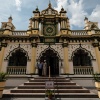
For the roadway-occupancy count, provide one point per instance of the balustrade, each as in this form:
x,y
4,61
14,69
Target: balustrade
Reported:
x,y
83,70
80,32
16,70
19,33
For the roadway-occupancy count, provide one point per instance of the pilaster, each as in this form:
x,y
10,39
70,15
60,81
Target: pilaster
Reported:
x,y
1,56
66,63
33,58
97,55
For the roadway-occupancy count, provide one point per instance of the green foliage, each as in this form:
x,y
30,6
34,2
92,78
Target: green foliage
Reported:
x,y
49,92
3,76
96,77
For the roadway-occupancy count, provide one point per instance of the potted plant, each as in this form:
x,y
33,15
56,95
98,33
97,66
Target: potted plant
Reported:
x,y
96,77
49,93
3,77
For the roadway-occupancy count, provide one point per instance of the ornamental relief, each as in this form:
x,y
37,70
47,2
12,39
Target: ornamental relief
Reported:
x,y
11,47
57,48
72,48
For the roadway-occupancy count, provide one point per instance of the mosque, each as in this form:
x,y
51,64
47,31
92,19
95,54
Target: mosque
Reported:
x,y
50,38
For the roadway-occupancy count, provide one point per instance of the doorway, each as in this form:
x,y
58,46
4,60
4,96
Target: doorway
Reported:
x,y
52,60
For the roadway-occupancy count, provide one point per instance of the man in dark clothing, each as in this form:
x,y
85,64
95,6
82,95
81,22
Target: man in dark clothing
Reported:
x,y
40,67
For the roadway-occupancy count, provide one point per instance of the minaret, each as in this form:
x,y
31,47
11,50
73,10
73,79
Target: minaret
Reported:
x,y
30,23
49,5
86,23
10,19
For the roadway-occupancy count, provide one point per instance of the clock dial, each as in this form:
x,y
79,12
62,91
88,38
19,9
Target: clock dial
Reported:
x,y
49,30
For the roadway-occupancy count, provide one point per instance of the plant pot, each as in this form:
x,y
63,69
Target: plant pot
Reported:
x,y
50,96
2,85
97,85
99,93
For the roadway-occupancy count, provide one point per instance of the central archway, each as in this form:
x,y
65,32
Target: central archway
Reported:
x,y
52,60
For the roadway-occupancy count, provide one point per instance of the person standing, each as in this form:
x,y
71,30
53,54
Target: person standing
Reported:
x,y
44,72
40,67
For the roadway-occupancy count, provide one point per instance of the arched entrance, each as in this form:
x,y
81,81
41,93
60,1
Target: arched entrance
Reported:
x,y
52,60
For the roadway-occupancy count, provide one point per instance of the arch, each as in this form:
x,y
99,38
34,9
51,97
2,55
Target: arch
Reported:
x,y
52,59
49,48
81,58
18,58
14,50
89,53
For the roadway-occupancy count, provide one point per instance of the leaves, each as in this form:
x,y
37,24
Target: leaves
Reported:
x,y
49,92
3,76
96,76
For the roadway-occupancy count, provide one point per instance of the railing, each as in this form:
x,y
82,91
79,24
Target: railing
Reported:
x,y
16,70
97,31
83,70
19,33
79,32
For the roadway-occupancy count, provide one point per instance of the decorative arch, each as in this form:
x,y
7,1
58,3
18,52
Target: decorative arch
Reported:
x,y
81,57
17,57
52,59
89,53
49,48
14,50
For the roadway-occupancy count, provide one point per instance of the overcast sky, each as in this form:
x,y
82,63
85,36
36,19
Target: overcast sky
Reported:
x,y
21,11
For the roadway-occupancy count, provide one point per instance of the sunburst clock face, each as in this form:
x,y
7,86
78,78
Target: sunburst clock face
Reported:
x,y
49,30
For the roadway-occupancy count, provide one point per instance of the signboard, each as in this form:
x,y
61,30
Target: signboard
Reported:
x,y
49,84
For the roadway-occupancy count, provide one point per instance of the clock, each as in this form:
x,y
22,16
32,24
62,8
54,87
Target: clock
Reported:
x,y
49,30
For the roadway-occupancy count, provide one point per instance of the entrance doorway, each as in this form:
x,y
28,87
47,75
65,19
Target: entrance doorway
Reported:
x,y
52,60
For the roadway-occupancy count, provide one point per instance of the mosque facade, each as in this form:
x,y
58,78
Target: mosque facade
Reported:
x,y
50,38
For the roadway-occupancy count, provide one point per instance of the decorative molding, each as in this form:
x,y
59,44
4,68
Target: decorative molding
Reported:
x,y
34,44
95,44
65,44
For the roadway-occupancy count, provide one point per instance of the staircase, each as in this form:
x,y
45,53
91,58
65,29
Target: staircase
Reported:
x,y
64,88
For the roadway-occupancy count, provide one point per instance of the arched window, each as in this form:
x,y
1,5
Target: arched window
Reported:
x,y
18,58
81,58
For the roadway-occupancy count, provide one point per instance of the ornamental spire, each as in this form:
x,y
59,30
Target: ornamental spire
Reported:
x,y
49,4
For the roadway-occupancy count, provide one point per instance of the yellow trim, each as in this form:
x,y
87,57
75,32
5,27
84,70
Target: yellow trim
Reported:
x,y
1,57
98,57
33,60
66,63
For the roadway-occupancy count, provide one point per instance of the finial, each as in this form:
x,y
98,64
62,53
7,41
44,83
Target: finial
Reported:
x,y
10,17
86,18
49,4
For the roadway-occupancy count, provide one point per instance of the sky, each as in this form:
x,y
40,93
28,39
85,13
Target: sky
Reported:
x,y
21,11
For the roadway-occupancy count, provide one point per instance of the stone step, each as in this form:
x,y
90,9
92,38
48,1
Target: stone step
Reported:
x,y
56,91
42,87
35,88
49,78
42,95
43,80
43,83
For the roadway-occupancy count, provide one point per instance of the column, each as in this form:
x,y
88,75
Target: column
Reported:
x,y
33,58
98,58
1,57
33,25
66,62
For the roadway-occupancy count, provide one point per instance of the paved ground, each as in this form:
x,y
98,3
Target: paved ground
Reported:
x,y
47,99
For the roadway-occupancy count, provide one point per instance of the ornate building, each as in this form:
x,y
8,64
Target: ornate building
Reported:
x,y
50,38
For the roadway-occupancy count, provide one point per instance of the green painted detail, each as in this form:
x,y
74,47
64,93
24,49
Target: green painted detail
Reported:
x,y
48,40
49,30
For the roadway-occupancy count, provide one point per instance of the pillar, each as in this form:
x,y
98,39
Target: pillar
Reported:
x,y
66,62
1,57
98,58
33,58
